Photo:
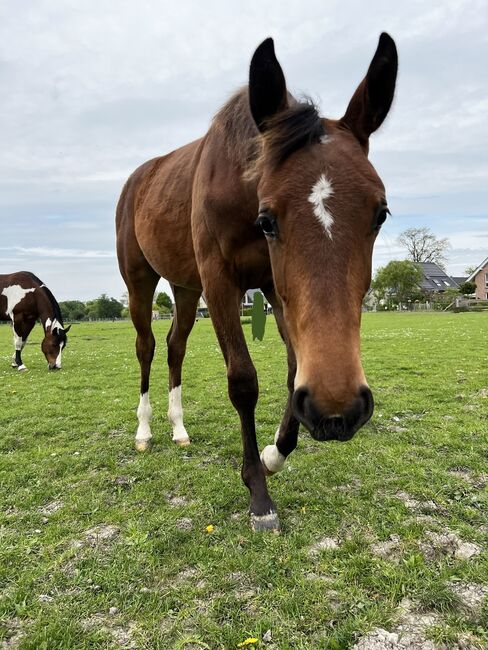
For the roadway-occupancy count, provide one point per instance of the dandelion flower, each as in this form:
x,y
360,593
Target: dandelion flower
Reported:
x,y
210,528
249,641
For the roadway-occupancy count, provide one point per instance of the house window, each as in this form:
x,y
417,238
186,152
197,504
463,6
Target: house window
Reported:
x,y
446,283
486,280
437,282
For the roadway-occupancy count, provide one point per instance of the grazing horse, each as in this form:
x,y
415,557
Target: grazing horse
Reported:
x,y
276,197
24,299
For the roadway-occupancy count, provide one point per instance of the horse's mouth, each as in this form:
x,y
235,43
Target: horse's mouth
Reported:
x,y
333,428
336,427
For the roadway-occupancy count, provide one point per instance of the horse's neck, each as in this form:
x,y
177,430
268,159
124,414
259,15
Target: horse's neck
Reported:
x,y
44,308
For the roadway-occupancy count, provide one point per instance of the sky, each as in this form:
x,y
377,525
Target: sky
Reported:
x,y
92,89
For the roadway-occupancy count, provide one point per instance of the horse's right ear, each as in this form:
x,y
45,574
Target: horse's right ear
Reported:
x,y
67,329
267,86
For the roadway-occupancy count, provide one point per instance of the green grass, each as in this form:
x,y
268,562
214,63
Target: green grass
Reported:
x,y
66,441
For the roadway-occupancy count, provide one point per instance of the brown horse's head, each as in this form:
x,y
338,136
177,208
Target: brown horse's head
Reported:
x,y
53,343
321,205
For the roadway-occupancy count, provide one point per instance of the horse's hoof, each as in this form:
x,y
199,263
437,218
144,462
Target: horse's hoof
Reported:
x,y
22,368
182,442
265,523
143,445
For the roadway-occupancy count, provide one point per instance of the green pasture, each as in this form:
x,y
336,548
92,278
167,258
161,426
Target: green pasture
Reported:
x,y
103,548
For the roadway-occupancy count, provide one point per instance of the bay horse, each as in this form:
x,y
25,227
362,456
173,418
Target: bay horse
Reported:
x,y
24,299
275,197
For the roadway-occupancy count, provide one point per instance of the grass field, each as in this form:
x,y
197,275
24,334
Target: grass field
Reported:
x,y
104,548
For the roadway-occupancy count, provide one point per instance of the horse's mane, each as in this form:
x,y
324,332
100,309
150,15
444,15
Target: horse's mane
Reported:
x,y
297,126
54,303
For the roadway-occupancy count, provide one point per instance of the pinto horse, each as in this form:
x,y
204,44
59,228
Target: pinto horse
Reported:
x,y
23,300
276,197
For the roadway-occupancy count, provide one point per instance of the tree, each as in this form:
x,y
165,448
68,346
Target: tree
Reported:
x,y
470,270
72,310
399,280
467,288
163,300
423,246
104,307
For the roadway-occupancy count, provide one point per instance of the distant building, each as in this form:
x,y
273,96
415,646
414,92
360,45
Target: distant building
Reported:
x,y
480,278
436,280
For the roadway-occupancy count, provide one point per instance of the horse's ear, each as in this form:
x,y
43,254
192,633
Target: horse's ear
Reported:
x,y
267,86
372,100
67,329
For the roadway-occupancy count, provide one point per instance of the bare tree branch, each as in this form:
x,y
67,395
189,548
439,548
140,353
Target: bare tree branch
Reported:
x,y
423,246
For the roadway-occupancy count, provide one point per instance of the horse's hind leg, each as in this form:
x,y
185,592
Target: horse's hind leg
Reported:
x,y
186,302
141,294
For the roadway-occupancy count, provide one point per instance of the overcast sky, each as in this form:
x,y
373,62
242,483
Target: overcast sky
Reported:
x,y
92,89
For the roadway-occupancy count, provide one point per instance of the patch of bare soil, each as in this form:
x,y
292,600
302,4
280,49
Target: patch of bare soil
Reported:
x,y
325,544
472,596
176,501
409,634
422,506
14,634
390,549
447,543
51,508
121,633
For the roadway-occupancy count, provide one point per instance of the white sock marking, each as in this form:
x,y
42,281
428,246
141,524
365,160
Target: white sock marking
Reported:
x,y
321,191
272,459
18,342
15,294
144,415
175,415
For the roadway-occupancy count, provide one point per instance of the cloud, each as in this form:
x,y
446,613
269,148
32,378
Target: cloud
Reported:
x,y
68,253
91,93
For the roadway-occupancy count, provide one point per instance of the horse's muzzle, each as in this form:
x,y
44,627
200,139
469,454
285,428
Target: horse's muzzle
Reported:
x,y
335,427
53,366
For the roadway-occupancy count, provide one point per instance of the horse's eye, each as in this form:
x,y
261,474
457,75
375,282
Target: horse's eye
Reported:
x,y
381,217
268,224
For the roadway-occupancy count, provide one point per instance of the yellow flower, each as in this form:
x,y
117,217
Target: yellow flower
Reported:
x,y
210,528
248,641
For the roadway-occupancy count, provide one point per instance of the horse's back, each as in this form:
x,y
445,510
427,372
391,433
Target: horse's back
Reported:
x,y
154,217
10,292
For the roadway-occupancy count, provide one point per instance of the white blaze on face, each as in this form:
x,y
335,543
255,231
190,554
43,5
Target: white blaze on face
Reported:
x,y
321,191
144,415
175,415
58,358
15,294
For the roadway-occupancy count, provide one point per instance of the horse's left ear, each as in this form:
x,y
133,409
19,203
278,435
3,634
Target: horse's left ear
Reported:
x,y
267,86
67,329
372,100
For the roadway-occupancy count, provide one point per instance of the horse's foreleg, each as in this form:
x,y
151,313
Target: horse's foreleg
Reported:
x,y
273,456
140,305
184,317
20,334
223,299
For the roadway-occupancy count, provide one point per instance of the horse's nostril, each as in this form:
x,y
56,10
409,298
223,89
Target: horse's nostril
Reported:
x,y
299,402
304,409
367,400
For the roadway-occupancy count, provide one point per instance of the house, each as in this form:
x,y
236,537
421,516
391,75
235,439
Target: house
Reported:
x,y
480,278
435,280
248,299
